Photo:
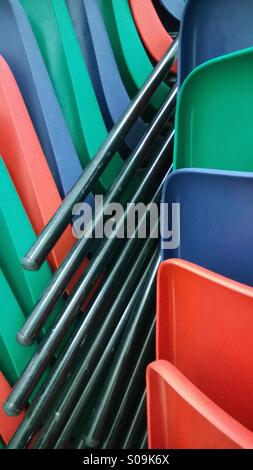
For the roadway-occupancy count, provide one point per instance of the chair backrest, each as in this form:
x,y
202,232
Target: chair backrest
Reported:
x,y
53,28
8,424
26,163
17,236
13,357
103,69
211,132
23,56
201,37
129,50
216,226
151,30
204,328
180,416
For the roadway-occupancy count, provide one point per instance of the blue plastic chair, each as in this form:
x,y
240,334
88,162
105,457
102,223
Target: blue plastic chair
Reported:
x,y
106,80
216,223
19,48
212,28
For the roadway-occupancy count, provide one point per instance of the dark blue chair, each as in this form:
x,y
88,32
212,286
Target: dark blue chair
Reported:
x,y
212,28
216,220
19,48
105,76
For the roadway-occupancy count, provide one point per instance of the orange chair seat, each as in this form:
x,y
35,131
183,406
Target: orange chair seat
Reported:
x,y
181,417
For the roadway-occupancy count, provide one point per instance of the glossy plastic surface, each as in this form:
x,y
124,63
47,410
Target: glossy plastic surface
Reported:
x,y
214,113
212,28
215,218
27,165
180,416
128,49
154,36
20,50
13,357
204,328
59,46
16,237
103,69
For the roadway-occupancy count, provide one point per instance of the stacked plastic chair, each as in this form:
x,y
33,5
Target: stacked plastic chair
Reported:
x,y
195,389
68,132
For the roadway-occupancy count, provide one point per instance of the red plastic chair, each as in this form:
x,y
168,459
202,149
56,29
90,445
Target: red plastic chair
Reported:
x,y
8,425
27,165
205,329
151,30
181,417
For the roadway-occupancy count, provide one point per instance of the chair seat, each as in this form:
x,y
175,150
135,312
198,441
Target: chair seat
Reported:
x,y
181,417
204,328
202,40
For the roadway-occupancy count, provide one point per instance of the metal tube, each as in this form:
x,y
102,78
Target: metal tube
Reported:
x,y
144,441
41,403
63,275
53,427
137,426
28,379
135,324
147,354
51,233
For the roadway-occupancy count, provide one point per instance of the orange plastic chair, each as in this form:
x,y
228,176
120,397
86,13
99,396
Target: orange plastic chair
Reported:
x,y
205,329
181,417
8,425
26,163
151,30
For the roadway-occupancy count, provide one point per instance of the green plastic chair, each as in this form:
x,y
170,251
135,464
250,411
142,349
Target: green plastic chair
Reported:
x,y
17,236
215,114
133,61
53,28
13,357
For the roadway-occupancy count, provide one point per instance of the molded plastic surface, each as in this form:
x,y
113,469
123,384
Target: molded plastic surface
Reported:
x,y
96,48
13,357
212,28
154,36
17,236
59,46
132,59
19,48
204,328
8,424
216,220
27,165
214,115
181,417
